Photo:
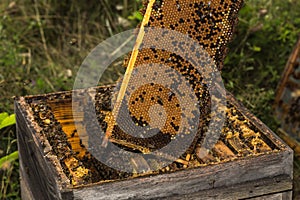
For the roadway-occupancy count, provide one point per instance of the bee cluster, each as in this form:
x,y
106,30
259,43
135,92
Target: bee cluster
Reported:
x,y
239,138
209,22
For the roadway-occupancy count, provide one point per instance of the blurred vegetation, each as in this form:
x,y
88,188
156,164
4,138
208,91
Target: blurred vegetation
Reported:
x,y
264,39
8,158
42,45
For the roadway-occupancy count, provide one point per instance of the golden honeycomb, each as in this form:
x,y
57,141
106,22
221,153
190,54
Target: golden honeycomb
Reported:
x,y
210,24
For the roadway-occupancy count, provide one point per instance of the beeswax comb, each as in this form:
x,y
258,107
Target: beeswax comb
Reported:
x,y
211,25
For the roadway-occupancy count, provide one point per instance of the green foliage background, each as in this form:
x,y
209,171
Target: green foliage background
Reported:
x,y
42,44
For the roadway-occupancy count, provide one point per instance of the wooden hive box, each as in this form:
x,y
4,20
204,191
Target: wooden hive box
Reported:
x,y
234,169
287,102
247,161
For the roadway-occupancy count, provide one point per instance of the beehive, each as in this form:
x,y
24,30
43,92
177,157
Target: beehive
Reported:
x,y
288,95
248,160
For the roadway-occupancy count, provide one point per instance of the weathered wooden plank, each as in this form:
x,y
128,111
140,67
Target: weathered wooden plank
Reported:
x,y
25,188
258,188
223,151
37,172
277,196
196,180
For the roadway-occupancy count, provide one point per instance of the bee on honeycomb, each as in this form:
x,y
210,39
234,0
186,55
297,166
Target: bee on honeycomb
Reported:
x,y
210,23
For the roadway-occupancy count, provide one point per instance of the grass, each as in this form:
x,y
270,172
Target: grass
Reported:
x,y
8,163
42,44
51,40
266,35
